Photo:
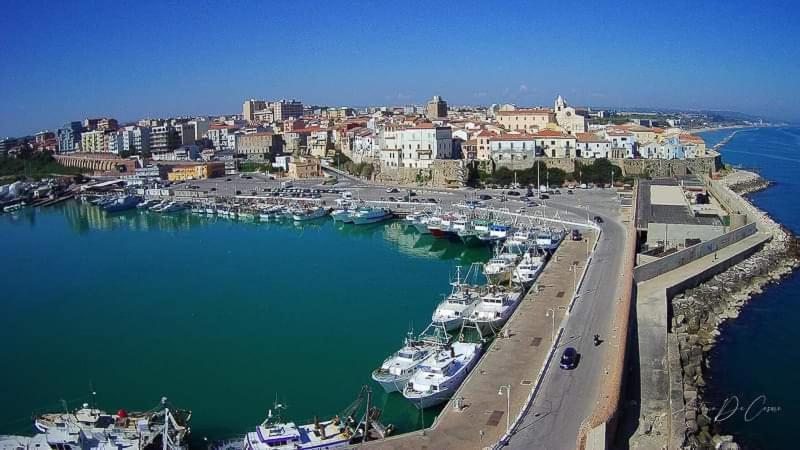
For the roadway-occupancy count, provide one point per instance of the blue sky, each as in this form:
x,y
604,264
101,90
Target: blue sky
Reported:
x,y
66,60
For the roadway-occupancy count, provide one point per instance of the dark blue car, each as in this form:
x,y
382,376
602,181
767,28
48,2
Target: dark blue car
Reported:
x,y
569,359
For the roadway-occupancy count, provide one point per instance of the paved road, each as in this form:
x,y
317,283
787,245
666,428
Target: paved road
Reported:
x,y
566,398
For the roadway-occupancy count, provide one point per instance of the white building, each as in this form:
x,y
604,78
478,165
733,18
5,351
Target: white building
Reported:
x,y
512,147
590,145
416,147
623,142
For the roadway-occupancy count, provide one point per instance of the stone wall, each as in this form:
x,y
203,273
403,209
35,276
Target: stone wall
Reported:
x,y
442,173
630,167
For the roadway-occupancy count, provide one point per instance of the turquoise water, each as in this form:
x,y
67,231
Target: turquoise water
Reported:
x,y
219,316
758,354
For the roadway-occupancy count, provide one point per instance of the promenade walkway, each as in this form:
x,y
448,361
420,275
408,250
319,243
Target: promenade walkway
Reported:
x,y
661,417
516,360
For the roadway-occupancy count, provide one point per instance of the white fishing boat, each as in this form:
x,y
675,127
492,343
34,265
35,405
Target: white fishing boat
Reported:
x,y
365,216
438,378
459,304
548,240
147,204
396,370
494,309
309,214
498,270
528,268
421,223
91,428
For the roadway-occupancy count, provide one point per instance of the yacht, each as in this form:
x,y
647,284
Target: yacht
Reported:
x,y
371,215
147,204
123,203
439,377
494,309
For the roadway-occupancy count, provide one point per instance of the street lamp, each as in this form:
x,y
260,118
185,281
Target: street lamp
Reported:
x,y
552,312
507,388
574,269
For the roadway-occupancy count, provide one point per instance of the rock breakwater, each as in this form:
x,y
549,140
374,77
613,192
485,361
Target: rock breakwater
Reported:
x,y
699,312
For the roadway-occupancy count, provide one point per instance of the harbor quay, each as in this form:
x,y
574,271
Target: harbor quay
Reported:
x,y
500,387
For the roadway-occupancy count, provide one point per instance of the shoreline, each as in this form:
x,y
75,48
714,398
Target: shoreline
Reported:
x,y
699,313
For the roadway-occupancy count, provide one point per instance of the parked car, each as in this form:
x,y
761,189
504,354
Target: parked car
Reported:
x,y
391,190
432,200
570,191
569,358
576,235
543,196
514,193
598,219
485,197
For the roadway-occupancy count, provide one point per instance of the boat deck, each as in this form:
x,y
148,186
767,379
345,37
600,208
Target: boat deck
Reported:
x,y
515,360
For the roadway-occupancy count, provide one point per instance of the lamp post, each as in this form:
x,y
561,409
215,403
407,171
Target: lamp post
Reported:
x,y
507,388
552,312
574,269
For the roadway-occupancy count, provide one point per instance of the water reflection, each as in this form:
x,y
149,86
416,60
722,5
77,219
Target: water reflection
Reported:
x,y
84,217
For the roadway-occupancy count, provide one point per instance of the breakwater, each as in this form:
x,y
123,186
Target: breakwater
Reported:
x,y
698,313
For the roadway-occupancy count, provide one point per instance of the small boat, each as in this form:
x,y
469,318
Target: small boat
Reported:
x,y
442,227
123,203
173,207
494,309
13,208
439,377
498,270
158,206
371,215
147,204
302,215
459,304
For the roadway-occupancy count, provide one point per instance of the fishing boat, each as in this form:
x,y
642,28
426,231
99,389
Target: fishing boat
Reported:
x,y
442,227
548,240
306,214
438,378
246,215
395,371
371,215
275,434
123,203
90,428
498,270
157,207
528,268
471,235
494,308
459,304
497,233
421,223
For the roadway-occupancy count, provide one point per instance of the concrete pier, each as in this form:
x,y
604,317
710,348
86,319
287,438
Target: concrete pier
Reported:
x,y
516,360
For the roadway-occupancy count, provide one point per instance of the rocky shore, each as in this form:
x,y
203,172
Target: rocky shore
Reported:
x,y
699,312
743,182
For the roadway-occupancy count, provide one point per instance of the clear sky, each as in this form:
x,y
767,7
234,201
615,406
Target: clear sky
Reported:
x,y
68,59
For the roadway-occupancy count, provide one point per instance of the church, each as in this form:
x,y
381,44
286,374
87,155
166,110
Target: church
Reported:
x,y
569,120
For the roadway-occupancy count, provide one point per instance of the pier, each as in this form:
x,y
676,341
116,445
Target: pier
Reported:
x,y
478,416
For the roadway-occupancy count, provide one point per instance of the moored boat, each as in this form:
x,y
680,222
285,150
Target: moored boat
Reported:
x,y
371,215
439,377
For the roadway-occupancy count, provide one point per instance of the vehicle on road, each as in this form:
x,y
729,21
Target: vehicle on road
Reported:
x,y
432,200
513,193
570,191
391,190
598,219
485,197
569,359
543,196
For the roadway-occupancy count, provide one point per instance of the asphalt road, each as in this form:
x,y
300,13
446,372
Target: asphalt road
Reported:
x,y
567,397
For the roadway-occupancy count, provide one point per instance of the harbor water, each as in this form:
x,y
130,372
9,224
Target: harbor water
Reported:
x,y
756,361
220,316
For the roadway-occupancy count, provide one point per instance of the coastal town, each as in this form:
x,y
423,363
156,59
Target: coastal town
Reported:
x,y
634,198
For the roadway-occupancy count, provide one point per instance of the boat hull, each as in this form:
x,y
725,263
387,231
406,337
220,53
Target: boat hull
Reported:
x,y
392,383
471,240
367,220
421,228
